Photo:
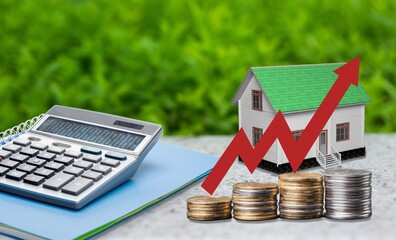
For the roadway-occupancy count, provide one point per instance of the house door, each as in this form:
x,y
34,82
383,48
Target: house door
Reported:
x,y
323,142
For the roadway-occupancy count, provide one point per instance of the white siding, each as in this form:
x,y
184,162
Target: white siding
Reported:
x,y
249,118
352,114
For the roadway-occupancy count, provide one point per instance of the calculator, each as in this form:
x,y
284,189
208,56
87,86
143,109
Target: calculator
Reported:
x,y
72,156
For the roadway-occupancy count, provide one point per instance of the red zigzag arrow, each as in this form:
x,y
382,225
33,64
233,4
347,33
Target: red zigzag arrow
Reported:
x,y
279,129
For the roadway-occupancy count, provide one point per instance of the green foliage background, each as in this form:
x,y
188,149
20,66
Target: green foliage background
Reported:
x,y
179,63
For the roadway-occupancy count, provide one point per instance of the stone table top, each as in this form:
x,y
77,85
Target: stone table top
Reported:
x,y
167,220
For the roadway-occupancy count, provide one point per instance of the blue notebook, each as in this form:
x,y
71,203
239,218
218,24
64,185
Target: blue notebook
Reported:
x,y
165,171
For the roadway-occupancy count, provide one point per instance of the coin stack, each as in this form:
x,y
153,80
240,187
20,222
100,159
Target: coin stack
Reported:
x,y
207,208
348,193
301,195
255,201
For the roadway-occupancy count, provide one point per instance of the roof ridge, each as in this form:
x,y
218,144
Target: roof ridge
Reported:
x,y
300,65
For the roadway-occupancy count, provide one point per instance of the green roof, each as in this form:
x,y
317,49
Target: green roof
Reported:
x,y
303,87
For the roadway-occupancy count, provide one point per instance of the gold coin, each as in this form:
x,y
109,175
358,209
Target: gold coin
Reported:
x,y
255,186
300,177
255,218
253,199
209,200
208,218
300,217
208,208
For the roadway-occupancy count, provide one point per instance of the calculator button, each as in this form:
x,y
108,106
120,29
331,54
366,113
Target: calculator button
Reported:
x,y
3,170
83,164
4,154
47,156
92,175
12,148
58,181
89,150
56,150
73,154
36,139
54,166
22,142
115,156
29,152
76,171
9,163
19,157
47,173
77,186
15,175
26,168
58,144
101,168
39,146
36,162
92,158
34,179
110,162
64,160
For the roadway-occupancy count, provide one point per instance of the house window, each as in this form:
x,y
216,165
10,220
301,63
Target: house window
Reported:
x,y
257,100
342,132
297,134
257,133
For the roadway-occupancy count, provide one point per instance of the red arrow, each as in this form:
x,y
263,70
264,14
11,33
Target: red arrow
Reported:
x,y
279,129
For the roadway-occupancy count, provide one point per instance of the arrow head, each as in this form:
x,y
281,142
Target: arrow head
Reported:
x,y
350,71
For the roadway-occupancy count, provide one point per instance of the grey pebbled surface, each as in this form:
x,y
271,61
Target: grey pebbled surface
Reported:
x,y
168,220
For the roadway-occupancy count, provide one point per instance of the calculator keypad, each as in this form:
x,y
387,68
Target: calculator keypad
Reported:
x,y
55,166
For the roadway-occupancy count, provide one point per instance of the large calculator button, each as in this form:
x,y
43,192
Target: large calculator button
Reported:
x,y
110,162
47,173
73,154
3,170
77,186
12,148
26,168
15,175
76,171
101,168
115,156
47,156
9,163
36,162
22,142
89,150
34,179
39,146
4,154
58,181
54,166
83,164
19,157
92,175
92,158
29,152
64,160
56,150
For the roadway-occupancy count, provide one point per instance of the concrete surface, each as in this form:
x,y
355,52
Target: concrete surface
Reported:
x,y
168,220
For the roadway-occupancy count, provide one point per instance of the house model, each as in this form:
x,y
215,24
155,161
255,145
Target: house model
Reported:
x,y
298,91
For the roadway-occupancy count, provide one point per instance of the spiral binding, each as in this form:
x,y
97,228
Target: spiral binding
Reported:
x,y
13,132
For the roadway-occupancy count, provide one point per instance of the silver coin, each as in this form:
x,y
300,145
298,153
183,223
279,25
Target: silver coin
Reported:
x,y
256,209
345,172
300,212
254,193
261,204
311,206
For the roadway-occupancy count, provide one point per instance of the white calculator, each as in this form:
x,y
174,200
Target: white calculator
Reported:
x,y
72,156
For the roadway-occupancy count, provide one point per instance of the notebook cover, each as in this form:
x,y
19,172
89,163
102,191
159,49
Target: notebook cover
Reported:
x,y
165,171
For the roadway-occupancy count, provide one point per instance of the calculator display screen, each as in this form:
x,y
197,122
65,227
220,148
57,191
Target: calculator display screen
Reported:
x,y
91,133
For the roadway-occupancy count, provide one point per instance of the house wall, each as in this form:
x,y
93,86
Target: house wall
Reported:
x,y
249,118
352,114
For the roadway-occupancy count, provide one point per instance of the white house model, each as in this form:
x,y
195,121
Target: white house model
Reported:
x,y
298,91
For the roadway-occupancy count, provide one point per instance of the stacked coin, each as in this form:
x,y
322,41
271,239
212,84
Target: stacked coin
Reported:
x,y
301,195
348,193
255,200
206,208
